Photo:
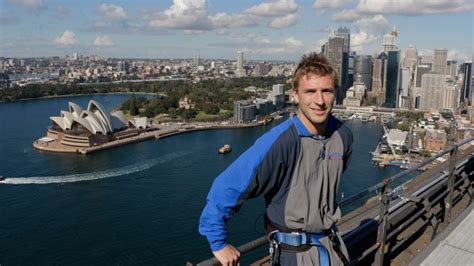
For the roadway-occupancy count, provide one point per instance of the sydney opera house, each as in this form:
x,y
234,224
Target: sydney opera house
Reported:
x,y
82,128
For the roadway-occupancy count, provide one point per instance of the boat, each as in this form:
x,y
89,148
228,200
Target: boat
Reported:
x,y
224,149
2,178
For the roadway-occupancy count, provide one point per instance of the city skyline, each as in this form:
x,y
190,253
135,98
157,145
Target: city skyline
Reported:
x,y
262,30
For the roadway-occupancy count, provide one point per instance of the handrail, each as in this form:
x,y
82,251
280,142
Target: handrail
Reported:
x,y
379,186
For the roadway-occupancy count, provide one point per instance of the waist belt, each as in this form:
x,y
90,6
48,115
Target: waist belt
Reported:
x,y
298,239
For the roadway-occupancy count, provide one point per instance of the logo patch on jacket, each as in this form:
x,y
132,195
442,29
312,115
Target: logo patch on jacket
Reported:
x,y
336,156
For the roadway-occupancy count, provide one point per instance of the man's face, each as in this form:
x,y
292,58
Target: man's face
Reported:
x,y
315,96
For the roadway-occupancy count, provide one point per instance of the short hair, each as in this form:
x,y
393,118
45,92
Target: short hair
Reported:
x,y
315,64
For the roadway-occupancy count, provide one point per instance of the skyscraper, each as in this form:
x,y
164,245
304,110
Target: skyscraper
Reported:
x,y
196,59
452,68
363,67
390,40
440,59
379,80
420,70
411,57
240,64
345,33
333,50
393,60
466,88
403,99
432,89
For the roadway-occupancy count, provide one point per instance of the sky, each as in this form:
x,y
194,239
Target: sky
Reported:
x,y
217,29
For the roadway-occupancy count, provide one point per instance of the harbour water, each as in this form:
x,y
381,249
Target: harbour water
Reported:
x,y
136,204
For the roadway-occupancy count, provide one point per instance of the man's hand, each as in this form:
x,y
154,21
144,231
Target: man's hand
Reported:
x,y
228,255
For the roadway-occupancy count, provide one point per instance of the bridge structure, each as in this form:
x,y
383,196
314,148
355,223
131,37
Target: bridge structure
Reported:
x,y
404,213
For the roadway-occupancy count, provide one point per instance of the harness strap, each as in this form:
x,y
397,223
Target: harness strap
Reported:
x,y
297,239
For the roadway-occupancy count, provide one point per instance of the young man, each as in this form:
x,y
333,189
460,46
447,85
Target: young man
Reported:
x,y
297,167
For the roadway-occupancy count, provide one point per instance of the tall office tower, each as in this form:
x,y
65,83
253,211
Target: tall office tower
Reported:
x,y
426,60
379,80
440,59
74,56
420,70
466,87
450,97
333,50
278,96
363,67
432,89
411,57
196,59
22,62
403,99
240,64
390,40
350,69
345,33
393,60
452,68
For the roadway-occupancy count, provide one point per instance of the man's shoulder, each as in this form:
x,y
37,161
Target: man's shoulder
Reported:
x,y
284,130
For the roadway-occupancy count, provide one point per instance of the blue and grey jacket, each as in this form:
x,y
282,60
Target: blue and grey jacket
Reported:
x,y
297,172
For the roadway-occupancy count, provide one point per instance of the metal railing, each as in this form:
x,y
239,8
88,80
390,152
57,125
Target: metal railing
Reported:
x,y
397,210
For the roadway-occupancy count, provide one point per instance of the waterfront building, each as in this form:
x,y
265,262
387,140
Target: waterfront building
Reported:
x,y
440,60
264,106
277,96
432,89
363,68
244,111
355,94
379,80
436,140
240,70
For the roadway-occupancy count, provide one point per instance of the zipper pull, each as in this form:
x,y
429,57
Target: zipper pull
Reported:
x,y
323,150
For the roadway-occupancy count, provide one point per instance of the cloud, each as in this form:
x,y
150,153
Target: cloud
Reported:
x,y
224,20
291,42
183,14
330,4
193,32
9,19
273,8
284,22
112,12
68,38
413,7
368,30
29,4
459,55
103,41
346,16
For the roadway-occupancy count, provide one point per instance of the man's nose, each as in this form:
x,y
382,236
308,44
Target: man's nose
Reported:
x,y
318,98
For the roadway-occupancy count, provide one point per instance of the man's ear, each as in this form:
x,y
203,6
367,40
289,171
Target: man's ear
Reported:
x,y
294,93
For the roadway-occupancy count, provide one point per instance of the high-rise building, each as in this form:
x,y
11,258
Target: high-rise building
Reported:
x,y
333,50
240,64
426,60
244,111
432,89
403,94
345,33
278,96
466,87
196,59
393,60
452,68
411,57
379,80
450,97
363,67
390,40
440,59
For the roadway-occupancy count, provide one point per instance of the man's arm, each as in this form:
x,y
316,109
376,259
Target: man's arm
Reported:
x,y
250,175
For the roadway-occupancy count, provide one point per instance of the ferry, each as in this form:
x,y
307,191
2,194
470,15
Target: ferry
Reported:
x,y
224,149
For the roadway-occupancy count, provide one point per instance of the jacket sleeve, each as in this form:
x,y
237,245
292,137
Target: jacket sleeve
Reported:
x,y
240,181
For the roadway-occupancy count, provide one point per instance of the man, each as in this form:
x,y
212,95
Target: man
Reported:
x,y
297,166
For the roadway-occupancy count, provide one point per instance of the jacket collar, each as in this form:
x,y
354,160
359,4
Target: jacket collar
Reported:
x,y
333,125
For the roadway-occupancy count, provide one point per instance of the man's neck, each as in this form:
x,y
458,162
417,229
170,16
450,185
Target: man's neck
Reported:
x,y
315,129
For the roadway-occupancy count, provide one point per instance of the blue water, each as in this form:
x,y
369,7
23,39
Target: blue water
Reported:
x,y
136,204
